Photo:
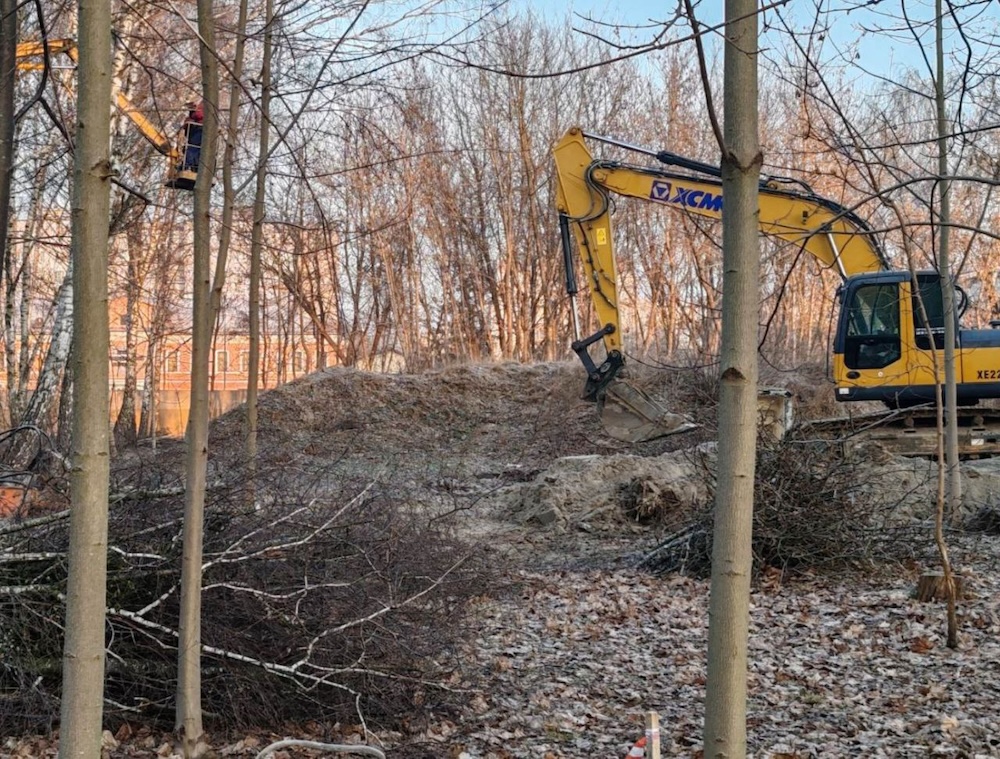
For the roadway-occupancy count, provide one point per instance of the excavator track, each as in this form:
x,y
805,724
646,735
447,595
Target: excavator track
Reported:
x,y
907,432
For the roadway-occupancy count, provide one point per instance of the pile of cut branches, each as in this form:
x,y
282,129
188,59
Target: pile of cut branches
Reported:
x,y
317,606
814,509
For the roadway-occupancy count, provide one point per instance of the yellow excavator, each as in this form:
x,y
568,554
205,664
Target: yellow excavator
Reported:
x,y
890,321
182,169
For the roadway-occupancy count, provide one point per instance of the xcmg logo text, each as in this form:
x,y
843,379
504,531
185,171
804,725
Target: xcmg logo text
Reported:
x,y
665,192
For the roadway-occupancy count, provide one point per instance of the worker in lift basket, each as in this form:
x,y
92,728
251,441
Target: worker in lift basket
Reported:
x,y
192,135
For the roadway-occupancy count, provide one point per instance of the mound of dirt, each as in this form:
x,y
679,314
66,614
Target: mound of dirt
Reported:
x,y
506,447
584,489
509,443
459,419
455,427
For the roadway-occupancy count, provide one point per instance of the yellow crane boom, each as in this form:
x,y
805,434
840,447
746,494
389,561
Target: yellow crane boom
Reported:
x,y
31,57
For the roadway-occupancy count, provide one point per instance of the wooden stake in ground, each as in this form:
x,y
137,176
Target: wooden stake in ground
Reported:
x,y
652,735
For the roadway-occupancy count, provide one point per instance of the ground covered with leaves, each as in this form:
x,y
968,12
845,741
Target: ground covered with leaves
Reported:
x,y
839,668
564,642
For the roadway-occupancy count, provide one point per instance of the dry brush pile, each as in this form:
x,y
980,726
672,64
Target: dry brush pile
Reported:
x,y
814,509
315,606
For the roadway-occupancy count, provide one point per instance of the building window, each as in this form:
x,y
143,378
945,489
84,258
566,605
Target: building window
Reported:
x,y
245,362
222,361
172,362
119,356
299,362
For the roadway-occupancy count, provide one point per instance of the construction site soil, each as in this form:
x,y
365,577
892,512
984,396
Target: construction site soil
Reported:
x,y
511,446
567,664
579,644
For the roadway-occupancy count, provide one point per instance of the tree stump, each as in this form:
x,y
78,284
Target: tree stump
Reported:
x,y
931,587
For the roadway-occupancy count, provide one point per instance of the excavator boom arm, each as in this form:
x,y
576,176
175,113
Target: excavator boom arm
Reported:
x,y
834,235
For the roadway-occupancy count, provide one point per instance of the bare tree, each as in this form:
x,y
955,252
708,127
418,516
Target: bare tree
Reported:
x,y
46,391
188,720
950,460
729,605
83,658
125,431
257,238
8,69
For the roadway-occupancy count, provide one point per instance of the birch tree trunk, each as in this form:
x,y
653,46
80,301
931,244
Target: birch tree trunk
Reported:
x,y
38,410
189,715
83,653
257,237
725,706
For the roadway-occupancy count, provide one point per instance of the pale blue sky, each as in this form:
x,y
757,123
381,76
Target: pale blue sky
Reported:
x,y
875,37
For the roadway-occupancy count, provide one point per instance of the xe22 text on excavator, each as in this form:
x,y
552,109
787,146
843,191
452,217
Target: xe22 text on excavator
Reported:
x,y
889,326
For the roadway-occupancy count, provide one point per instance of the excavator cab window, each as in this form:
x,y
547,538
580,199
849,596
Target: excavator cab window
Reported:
x,y
873,334
929,295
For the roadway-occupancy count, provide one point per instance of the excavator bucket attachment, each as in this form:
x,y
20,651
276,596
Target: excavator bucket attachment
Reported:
x,y
630,415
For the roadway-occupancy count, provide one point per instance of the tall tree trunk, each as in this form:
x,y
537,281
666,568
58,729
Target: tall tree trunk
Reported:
x,y
39,407
64,414
954,478
189,715
8,71
229,194
16,317
150,386
83,655
126,432
725,705
257,237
